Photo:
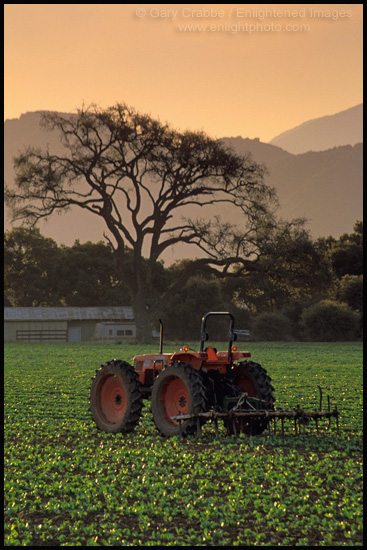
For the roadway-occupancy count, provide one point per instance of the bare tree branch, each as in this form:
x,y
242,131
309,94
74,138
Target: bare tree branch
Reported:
x,y
138,175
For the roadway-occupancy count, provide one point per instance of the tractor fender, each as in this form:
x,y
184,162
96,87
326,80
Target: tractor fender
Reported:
x,y
195,359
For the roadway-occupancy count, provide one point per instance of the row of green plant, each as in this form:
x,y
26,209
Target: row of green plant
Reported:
x,y
67,484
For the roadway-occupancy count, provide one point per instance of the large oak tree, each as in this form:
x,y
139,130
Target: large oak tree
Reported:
x,y
147,181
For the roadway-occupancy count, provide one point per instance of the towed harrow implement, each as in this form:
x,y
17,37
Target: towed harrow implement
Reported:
x,y
234,417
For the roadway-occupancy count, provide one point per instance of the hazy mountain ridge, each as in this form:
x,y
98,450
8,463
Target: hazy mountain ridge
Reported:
x,y
325,187
319,134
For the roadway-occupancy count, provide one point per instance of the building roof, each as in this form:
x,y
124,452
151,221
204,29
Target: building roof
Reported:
x,y
118,313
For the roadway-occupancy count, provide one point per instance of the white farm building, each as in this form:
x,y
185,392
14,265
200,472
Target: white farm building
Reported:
x,y
68,324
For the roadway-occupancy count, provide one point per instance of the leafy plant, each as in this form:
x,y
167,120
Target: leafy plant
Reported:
x,y
67,484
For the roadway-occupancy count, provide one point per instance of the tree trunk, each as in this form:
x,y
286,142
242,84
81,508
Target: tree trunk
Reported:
x,y
133,278
142,320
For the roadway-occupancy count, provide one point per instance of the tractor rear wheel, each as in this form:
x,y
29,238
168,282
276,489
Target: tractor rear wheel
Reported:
x,y
252,378
115,397
177,390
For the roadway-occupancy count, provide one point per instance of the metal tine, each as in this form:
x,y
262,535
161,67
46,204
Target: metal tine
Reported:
x,y
216,427
320,391
198,427
234,426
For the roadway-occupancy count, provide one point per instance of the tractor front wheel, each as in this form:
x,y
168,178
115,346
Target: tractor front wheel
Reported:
x,y
115,397
176,391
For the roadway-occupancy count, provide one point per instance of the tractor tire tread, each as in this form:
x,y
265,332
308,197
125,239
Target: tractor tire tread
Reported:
x,y
264,391
199,402
133,387
262,378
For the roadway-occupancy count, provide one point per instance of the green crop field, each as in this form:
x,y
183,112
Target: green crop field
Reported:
x,y
68,484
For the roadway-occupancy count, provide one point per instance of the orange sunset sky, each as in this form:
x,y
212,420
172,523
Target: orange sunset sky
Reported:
x,y
253,70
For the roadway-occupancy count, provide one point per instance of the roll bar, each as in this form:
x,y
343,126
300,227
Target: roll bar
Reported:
x,y
204,335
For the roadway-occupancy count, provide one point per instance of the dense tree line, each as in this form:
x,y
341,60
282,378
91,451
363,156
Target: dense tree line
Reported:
x,y
301,289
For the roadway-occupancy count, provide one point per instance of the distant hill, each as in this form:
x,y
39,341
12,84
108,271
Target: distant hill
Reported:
x,y
25,131
325,187
319,134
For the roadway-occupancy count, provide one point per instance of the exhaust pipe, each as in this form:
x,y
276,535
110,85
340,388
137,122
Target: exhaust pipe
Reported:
x,y
160,336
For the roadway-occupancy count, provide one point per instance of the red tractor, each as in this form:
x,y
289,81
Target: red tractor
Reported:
x,y
186,388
